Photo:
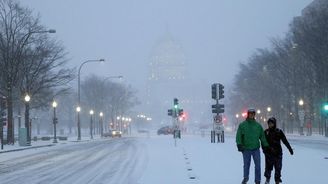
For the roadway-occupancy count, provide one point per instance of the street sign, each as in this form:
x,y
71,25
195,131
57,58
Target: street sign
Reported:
x,y
218,118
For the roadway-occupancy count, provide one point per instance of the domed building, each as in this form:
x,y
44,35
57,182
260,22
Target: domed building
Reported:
x,y
168,78
167,74
167,61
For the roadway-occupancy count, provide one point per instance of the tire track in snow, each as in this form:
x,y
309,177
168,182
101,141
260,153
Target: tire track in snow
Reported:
x,y
103,162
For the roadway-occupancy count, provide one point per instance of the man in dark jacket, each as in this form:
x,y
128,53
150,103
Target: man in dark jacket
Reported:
x,y
273,156
250,136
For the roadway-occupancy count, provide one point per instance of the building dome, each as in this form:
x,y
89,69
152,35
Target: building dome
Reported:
x,y
167,60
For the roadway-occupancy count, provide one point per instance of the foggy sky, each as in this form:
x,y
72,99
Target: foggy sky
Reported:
x,y
215,35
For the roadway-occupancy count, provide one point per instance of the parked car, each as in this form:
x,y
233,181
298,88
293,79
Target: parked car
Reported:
x,y
165,130
113,133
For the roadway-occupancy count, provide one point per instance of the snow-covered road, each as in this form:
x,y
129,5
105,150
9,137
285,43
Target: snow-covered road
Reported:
x,y
155,160
116,161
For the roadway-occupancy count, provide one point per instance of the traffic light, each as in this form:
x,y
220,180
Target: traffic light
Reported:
x,y
214,91
170,112
325,108
180,112
218,108
175,103
221,91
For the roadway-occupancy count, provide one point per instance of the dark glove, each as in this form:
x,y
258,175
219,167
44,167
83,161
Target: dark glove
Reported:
x,y
291,151
240,147
266,150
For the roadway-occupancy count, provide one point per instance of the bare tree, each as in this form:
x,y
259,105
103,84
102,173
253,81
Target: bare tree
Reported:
x,y
30,62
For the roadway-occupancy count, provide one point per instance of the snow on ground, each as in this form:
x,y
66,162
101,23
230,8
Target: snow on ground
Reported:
x,y
222,163
152,159
102,161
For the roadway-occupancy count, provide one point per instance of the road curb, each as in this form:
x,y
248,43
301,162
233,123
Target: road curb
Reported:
x,y
32,147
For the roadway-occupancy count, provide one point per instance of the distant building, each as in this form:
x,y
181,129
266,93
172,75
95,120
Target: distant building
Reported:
x,y
169,78
167,61
167,75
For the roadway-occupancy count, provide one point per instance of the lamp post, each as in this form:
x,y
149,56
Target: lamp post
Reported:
x,y
268,112
130,120
117,122
101,124
27,99
237,117
78,110
55,120
79,97
121,125
301,115
91,123
269,109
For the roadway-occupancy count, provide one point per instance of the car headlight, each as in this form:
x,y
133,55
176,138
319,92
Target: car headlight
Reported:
x,y
113,133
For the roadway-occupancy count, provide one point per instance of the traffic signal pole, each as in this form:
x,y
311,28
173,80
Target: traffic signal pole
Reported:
x,y
217,109
175,113
326,127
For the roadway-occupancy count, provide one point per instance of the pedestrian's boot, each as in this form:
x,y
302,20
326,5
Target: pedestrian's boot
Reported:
x,y
278,180
267,181
245,180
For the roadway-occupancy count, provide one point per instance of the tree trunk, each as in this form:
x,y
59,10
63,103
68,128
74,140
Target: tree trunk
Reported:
x,y
10,132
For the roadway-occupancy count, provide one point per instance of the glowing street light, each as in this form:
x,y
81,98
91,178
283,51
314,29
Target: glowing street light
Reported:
x,y
27,98
91,123
269,109
55,121
79,94
301,102
101,114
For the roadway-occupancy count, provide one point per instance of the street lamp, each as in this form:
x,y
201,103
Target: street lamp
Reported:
x,y
237,117
91,123
79,97
301,102
101,124
27,99
301,115
55,120
269,109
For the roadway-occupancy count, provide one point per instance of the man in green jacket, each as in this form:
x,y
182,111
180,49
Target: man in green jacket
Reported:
x,y
249,135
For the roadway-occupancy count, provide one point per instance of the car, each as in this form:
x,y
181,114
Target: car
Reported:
x,y
165,130
113,133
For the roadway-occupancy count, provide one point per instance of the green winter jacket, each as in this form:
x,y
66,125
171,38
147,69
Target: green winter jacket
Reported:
x,y
249,133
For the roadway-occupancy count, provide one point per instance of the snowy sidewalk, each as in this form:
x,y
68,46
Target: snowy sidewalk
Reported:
x,y
42,144
222,163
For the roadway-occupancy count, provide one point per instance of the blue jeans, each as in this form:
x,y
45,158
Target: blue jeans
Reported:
x,y
247,154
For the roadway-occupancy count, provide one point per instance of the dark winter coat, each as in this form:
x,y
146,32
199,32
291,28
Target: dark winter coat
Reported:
x,y
274,136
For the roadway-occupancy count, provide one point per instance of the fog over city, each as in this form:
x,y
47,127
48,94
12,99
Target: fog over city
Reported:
x,y
114,76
